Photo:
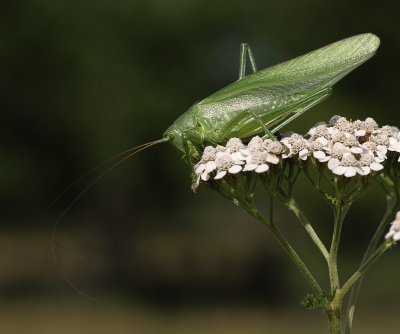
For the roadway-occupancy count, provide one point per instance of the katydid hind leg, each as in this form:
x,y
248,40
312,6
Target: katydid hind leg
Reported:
x,y
251,59
267,132
245,51
308,104
243,59
246,124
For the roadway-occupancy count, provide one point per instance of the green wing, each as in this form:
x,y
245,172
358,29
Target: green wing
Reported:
x,y
321,68
278,94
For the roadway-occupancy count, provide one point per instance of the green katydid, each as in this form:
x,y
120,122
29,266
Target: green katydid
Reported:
x,y
260,103
267,100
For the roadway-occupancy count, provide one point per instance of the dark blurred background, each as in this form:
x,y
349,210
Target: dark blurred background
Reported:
x,y
84,80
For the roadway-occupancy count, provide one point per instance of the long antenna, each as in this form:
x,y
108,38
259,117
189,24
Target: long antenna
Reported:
x,y
97,167
125,156
83,176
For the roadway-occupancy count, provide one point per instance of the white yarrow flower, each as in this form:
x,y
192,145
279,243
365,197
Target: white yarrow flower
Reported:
x,y
254,145
342,124
257,162
394,144
207,163
224,164
360,128
318,151
274,150
394,231
319,130
334,119
380,138
370,124
297,145
347,148
347,166
234,145
368,162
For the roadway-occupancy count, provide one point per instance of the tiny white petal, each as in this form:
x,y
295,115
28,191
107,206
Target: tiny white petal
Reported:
x,y
389,234
350,172
327,158
376,166
396,236
239,162
381,155
360,133
205,176
220,175
332,131
200,169
319,155
382,149
272,158
323,141
339,170
210,166
250,167
333,163
358,169
262,168
245,152
235,169
340,147
238,156
394,141
304,153
366,170
356,150
222,153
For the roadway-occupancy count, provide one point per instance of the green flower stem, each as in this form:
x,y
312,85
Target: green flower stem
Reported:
x,y
340,210
289,250
334,320
334,307
293,206
392,205
365,266
357,286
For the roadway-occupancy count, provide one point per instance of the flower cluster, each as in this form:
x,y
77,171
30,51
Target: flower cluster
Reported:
x,y
394,232
347,148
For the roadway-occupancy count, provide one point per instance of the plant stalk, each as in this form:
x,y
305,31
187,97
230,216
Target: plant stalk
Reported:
x,y
290,251
391,188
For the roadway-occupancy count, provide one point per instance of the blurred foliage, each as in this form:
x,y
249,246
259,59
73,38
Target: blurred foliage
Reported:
x,y
83,80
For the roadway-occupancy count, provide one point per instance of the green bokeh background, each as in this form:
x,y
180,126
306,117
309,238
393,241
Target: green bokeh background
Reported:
x,y
84,80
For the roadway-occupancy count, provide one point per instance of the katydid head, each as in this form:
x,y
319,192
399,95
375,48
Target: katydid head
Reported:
x,y
186,148
175,137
